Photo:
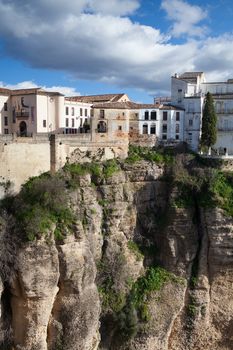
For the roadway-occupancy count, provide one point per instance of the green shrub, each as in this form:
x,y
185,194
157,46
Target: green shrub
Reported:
x,y
135,249
42,202
137,153
110,167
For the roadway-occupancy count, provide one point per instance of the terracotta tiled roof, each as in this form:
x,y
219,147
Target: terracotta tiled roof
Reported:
x,y
133,105
31,91
4,91
96,98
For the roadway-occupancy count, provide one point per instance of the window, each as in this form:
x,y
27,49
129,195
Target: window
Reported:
x,y
191,107
67,110
177,128
136,115
146,115
72,120
102,113
67,122
177,116
81,112
145,129
44,123
179,90
102,127
81,122
72,111
190,137
165,116
153,115
164,128
153,129
5,121
85,112
5,106
119,127
190,122
6,131
177,137
164,137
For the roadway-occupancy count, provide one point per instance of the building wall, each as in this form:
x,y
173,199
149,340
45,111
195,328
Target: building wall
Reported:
x,y
76,114
23,110
4,128
116,122
173,124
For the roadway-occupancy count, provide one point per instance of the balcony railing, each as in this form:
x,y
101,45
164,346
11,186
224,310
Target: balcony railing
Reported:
x,y
225,128
22,114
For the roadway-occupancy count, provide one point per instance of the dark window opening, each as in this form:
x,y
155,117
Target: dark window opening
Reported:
x,y
102,113
5,121
145,129
102,127
153,129
164,116
164,127
44,123
153,115
5,106
67,110
177,116
146,115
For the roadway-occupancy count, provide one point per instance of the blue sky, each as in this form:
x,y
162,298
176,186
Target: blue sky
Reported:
x,y
104,46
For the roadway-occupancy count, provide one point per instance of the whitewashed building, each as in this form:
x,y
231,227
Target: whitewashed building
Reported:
x,y
164,121
188,91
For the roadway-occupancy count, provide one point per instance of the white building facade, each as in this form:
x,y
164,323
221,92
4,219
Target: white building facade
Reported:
x,y
188,91
166,122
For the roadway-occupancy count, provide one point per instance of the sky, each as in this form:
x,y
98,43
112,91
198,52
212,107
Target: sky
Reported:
x,y
107,46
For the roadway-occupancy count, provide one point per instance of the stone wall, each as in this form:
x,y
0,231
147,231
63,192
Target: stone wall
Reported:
x,y
24,157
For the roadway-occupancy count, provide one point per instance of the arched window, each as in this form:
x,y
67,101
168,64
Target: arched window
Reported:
x,y
145,129
102,127
153,115
153,129
146,115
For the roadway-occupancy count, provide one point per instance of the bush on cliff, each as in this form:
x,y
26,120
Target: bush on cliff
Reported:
x,y
42,202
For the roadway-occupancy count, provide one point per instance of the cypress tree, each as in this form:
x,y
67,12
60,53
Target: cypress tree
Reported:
x,y
209,123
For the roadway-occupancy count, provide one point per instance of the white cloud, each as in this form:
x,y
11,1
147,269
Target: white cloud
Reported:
x,y
186,18
66,90
92,40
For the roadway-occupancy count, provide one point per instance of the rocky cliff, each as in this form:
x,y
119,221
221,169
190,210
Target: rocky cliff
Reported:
x,y
122,255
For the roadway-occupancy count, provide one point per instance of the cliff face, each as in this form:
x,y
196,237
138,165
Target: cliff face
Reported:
x,y
134,271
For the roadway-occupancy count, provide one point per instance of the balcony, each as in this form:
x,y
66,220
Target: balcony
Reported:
x,y
225,129
224,111
22,114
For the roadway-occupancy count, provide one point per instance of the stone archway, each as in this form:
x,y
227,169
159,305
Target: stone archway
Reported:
x,y
23,129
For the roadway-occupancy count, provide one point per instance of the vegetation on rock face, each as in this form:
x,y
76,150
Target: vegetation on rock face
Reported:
x,y
209,121
137,153
205,186
136,307
42,203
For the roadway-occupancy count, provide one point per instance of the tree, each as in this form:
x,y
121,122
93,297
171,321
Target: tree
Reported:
x,y
209,122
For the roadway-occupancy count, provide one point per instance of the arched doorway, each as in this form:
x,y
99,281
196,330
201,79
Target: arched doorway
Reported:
x,y
23,129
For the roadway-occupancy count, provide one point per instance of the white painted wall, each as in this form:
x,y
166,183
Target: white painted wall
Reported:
x,y
4,99
78,112
171,123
